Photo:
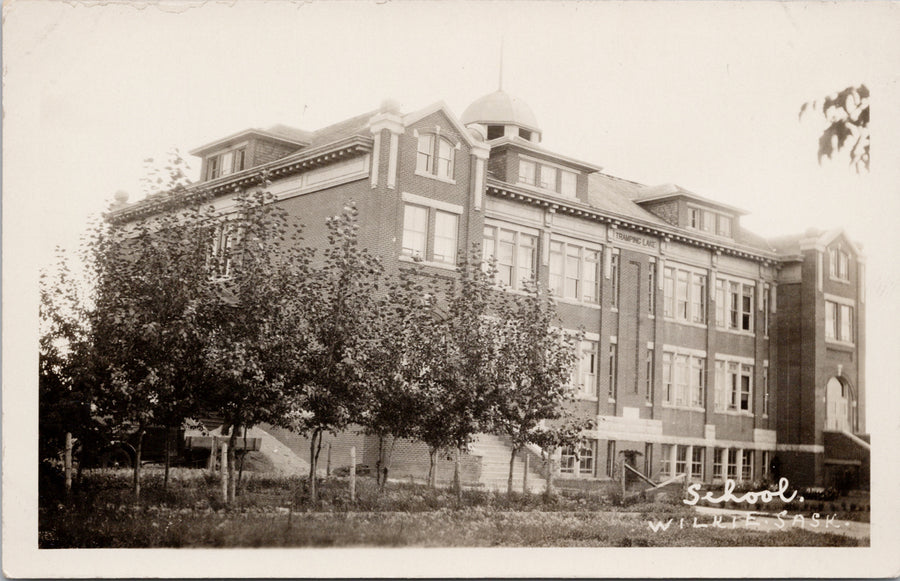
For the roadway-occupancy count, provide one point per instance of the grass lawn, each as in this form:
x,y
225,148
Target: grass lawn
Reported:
x,y
190,514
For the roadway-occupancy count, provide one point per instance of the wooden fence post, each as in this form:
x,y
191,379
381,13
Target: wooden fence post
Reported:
x,y
224,467
211,461
352,473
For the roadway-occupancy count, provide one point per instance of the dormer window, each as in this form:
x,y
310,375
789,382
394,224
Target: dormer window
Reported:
x,y
547,177
710,221
435,156
226,163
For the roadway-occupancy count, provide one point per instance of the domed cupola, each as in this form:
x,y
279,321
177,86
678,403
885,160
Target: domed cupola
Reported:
x,y
501,114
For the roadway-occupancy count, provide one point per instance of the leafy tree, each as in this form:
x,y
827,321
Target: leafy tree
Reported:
x,y
339,312
569,431
847,114
460,366
261,273
148,319
537,359
394,406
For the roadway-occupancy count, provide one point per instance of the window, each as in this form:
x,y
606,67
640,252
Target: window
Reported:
x,y
425,156
839,264
611,458
577,463
765,380
495,131
697,453
719,460
766,464
613,368
446,228
614,280
734,304
685,295
548,177
838,322
423,225
651,289
526,172
649,387
525,134
746,465
734,386
574,271
666,460
226,163
567,183
732,464
694,218
515,253
435,156
683,379
222,255
724,226
587,369
710,221
681,460
415,231
765,298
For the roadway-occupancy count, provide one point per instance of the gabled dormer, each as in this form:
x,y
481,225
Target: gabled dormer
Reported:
x,y
247,149
685,209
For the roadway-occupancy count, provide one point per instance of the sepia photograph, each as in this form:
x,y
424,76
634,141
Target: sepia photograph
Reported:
x,y
450,289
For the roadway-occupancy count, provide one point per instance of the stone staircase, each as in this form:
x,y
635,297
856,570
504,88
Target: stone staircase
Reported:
x,y
494,452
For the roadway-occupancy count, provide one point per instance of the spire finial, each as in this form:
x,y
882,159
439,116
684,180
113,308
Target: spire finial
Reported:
x,y
500,82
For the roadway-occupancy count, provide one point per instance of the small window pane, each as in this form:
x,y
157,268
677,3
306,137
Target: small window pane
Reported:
x,y
445,159
548,177
415,228
446,227
568,181
425,156
526,172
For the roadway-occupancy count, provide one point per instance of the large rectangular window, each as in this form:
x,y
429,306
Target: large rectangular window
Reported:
x,y
586,369
514,253
734,386
574,271
839,264
746,465
684,380
527,172
430,234
567,183
415,231
226,163
578,462
614,280
548,177
697,453
720,458
434,156
685,295
613,368
734,304
651,289
648,392
732,464
838,322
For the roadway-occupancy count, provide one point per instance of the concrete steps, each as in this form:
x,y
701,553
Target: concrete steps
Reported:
x,y
494,452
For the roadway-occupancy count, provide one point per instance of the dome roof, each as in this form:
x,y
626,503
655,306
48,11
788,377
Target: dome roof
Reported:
x,y
499,108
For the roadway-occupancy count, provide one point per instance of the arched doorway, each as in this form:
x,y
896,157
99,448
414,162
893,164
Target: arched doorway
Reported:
x,y
838,405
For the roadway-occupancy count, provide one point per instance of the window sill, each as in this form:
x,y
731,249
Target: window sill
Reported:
x,y
614,309
842,345
444,265
432,176
611,400
840,280
571,301
735,413
586,397
686,323
740,332
685,408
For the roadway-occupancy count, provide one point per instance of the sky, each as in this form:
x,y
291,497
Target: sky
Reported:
x,y
702,94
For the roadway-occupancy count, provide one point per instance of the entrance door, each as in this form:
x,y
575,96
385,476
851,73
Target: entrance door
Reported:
x,y
837,406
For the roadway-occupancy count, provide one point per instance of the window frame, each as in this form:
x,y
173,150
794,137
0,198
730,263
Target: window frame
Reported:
x,y
685,294
684,379
432,154
839,321
216,166
432,209
734,379
587,285
735,304
517,281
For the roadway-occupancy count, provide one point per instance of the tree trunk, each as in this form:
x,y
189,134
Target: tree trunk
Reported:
x,y
512,469
432,467
549,490
315,443
387,464
457,485
68,464
525,473
378,462
243,455
232,439
352,473
137,464
167,461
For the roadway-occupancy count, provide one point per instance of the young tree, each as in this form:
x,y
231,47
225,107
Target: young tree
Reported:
x,y
340,310
261,278
148,323
537,359
847,114
460,370
394,403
